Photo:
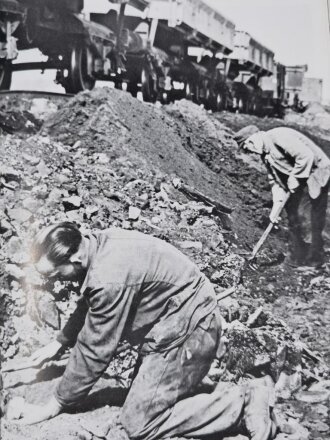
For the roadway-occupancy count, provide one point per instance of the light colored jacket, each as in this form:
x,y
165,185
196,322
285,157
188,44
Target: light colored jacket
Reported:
x,y
290,152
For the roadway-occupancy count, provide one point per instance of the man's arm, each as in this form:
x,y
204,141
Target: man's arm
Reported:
x,y
96,344
104,325
279,194
68,335
301,154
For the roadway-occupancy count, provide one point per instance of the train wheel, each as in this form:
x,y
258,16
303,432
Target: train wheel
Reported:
x,y
81,65
132,88
147,87
5,74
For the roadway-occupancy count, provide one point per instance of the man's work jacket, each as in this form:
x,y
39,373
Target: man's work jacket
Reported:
x,y
139,288
291,153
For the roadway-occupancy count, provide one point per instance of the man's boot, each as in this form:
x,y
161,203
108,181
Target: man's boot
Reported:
x,y
257,416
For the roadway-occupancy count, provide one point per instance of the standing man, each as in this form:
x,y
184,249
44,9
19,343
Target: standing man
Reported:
x,y
138,287
294,163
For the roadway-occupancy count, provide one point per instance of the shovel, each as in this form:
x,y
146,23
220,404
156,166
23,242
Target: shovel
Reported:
x,y
267,231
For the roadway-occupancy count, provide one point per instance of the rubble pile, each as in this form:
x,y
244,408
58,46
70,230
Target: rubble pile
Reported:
x,y
315,115
105,159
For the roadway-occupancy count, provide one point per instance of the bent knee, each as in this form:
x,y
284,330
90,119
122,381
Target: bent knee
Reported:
x,y
132,424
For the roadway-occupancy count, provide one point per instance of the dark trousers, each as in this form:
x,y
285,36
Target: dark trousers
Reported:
x,y
297,246
163,400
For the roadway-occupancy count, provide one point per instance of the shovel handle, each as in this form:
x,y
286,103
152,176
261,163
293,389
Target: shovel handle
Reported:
x,y
269,227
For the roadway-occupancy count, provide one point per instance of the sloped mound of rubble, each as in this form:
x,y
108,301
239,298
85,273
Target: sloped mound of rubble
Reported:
x,y
106,159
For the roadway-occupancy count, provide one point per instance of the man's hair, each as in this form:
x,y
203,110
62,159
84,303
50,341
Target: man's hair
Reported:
x,y
57,242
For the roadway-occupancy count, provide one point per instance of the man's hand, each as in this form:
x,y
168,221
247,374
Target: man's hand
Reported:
x,y
30,414
293,184
45,354
273,216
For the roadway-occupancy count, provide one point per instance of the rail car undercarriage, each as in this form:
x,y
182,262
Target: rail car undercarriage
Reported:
x,y
146,53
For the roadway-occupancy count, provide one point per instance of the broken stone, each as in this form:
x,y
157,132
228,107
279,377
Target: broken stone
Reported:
x,y
19,214
62,178
48,311
287,384
5,226
9,173
295,430
33,160
42,108
76,145
101,158
15,408
43,170
73,202
31,204
134,213
91,210
190,245
40,191
14,271
15,251
313,396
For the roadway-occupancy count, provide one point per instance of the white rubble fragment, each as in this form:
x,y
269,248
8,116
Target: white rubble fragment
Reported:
x,y
133,213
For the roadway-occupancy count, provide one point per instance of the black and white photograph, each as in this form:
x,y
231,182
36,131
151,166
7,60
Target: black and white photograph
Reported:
x,y
164,219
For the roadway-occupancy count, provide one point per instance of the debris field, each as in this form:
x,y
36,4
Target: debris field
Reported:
x,y
105,159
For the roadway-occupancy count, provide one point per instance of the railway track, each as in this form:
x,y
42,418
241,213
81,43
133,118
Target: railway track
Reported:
x,y
34,93
20,109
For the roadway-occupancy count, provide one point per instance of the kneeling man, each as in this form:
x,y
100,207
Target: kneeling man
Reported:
x,y
140,288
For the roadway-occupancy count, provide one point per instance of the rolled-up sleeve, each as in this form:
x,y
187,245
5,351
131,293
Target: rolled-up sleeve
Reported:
x,y
97,341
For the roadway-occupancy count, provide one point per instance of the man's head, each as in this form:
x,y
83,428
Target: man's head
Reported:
x,y
57,251
249,138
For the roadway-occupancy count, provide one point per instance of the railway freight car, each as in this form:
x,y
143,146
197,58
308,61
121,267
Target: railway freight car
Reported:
x,y
246,65
186,39
81,51
167,49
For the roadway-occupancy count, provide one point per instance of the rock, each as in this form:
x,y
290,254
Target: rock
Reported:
x,y
19,214
73,202
55,196
48,311
313,396
31,204
14,271
15,408
101,158
320,386
134,213
294,429
76,145
287,384
42,108
190,244
40,191
9,173
91,210
321,427
33,160
43,170
15,251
